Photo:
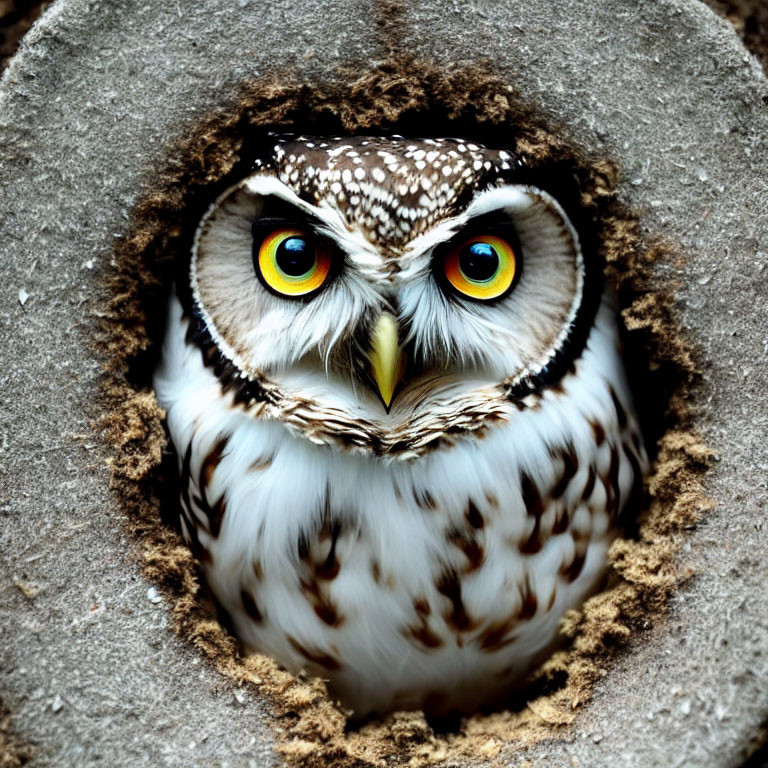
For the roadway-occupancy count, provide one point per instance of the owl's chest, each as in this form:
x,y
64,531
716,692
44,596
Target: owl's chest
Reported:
x,y
456,565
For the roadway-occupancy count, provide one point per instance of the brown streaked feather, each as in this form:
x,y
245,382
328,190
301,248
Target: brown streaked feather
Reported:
x,y
316,656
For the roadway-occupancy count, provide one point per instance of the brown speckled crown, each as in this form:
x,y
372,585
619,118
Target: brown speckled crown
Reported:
x,y
391,189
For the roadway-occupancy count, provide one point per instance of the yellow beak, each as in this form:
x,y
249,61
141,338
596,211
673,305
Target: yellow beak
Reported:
x,y
386,357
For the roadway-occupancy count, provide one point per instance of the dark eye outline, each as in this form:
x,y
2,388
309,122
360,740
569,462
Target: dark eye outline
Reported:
x,y
260,231
493,228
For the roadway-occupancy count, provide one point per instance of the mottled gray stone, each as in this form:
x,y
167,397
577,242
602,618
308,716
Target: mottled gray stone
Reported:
x,y
89,108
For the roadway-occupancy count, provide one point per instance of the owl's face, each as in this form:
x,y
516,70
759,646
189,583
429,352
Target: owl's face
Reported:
x,y
388,293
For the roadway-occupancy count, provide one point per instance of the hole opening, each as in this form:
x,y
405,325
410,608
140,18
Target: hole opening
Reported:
x,y
658,362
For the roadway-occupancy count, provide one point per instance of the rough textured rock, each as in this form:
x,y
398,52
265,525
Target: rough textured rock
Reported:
x,y
89,109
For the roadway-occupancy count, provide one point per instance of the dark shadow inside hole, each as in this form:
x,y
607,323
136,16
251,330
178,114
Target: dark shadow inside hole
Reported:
x,y
168,486
757,749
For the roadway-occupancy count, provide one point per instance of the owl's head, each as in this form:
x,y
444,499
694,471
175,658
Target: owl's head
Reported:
x,y
388,293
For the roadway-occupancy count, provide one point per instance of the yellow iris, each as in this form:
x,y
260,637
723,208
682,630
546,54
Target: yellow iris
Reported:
x,y
291,264
482,268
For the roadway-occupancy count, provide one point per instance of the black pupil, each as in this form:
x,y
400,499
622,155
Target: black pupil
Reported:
x,y
295,256
478,261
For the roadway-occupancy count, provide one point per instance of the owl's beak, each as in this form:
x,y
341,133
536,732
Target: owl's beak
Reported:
x,y
386,357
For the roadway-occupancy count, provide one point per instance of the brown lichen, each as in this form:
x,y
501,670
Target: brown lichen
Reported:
x,y
14,752
312,729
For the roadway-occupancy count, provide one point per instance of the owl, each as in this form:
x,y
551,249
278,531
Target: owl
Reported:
x,y
393,380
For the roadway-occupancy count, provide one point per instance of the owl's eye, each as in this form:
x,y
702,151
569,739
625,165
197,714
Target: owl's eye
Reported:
x,y
291,263
482,268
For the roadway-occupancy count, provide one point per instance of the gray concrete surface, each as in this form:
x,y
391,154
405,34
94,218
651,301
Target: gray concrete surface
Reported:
x,y
88,108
